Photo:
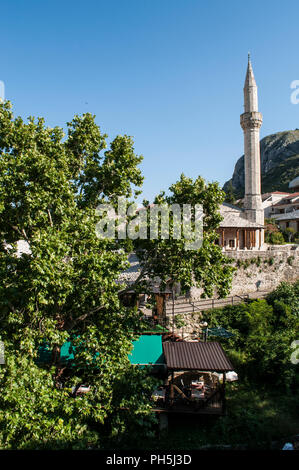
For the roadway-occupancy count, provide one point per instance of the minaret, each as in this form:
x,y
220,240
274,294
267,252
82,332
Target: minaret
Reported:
x,y
251,121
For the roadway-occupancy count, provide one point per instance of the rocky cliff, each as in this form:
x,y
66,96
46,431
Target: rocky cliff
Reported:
x,y
279,163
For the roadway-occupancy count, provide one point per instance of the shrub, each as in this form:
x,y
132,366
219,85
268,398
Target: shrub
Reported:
x,y
263,332
276,238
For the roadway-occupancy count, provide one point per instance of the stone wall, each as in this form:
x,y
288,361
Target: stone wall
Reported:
x,y
191,328
259,271
262,270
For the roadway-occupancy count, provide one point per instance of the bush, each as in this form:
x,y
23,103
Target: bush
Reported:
x,y
263,332
276,238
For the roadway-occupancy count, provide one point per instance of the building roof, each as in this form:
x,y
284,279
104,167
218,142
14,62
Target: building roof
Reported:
x,y
289,199
294,183
249,79
294,215
147,349
234,216
202,356
280,194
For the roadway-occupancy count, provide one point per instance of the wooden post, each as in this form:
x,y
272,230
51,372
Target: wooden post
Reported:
x,y
223,394
260,238
237,244
171,394
163,422
222,241
245,238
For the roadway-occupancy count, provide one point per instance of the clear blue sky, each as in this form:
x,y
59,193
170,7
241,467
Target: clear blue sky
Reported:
x,y
170,73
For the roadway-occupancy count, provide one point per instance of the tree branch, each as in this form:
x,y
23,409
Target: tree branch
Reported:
x,y
50,218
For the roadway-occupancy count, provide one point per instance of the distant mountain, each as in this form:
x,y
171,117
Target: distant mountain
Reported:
x,y
279,162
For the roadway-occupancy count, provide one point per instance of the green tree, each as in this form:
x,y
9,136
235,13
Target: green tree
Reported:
x,y
290,233
230,194
205,267
66,288
263,333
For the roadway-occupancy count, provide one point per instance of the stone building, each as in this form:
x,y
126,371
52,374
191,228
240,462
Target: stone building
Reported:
x,y
286,212
237,232
270,199
288,220
243,228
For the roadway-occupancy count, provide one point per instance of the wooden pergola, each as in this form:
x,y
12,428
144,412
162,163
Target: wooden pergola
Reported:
x,y
186,362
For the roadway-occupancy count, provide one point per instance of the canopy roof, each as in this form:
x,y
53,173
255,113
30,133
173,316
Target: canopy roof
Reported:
x,y
196,356
219,331
147,349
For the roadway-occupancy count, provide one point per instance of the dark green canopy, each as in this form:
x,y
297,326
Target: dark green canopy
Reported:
x,y
219,331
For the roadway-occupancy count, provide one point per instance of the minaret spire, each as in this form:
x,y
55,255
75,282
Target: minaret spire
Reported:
x,y
251,121
250,90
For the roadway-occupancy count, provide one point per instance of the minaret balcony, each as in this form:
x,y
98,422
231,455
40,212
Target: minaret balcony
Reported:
x,y
251,120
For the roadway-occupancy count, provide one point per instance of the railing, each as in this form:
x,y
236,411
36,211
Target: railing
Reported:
x,y
215,400
205,304
176,400
173,308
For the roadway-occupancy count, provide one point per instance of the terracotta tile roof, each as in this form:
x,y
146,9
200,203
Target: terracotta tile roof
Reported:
x,y
284,200
279,192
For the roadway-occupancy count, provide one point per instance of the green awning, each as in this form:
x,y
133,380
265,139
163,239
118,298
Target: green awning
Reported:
x,y
45,353
147,350
67,352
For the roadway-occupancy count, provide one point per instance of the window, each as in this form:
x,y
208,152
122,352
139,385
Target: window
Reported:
x,y
232,243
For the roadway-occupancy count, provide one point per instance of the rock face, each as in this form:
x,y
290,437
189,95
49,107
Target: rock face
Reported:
x,y
279,163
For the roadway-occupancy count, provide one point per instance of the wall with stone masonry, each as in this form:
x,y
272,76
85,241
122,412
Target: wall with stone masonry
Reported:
x,y
261,270
264,271
191,329
256,271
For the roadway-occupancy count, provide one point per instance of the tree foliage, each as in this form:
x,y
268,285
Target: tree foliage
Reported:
x,y
206,267
263,334
66,287
230,194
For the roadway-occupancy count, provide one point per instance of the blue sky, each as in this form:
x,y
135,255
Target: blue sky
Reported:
x,y
170,73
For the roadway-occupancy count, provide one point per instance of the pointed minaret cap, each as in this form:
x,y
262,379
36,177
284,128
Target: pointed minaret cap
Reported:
x,y
249,80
